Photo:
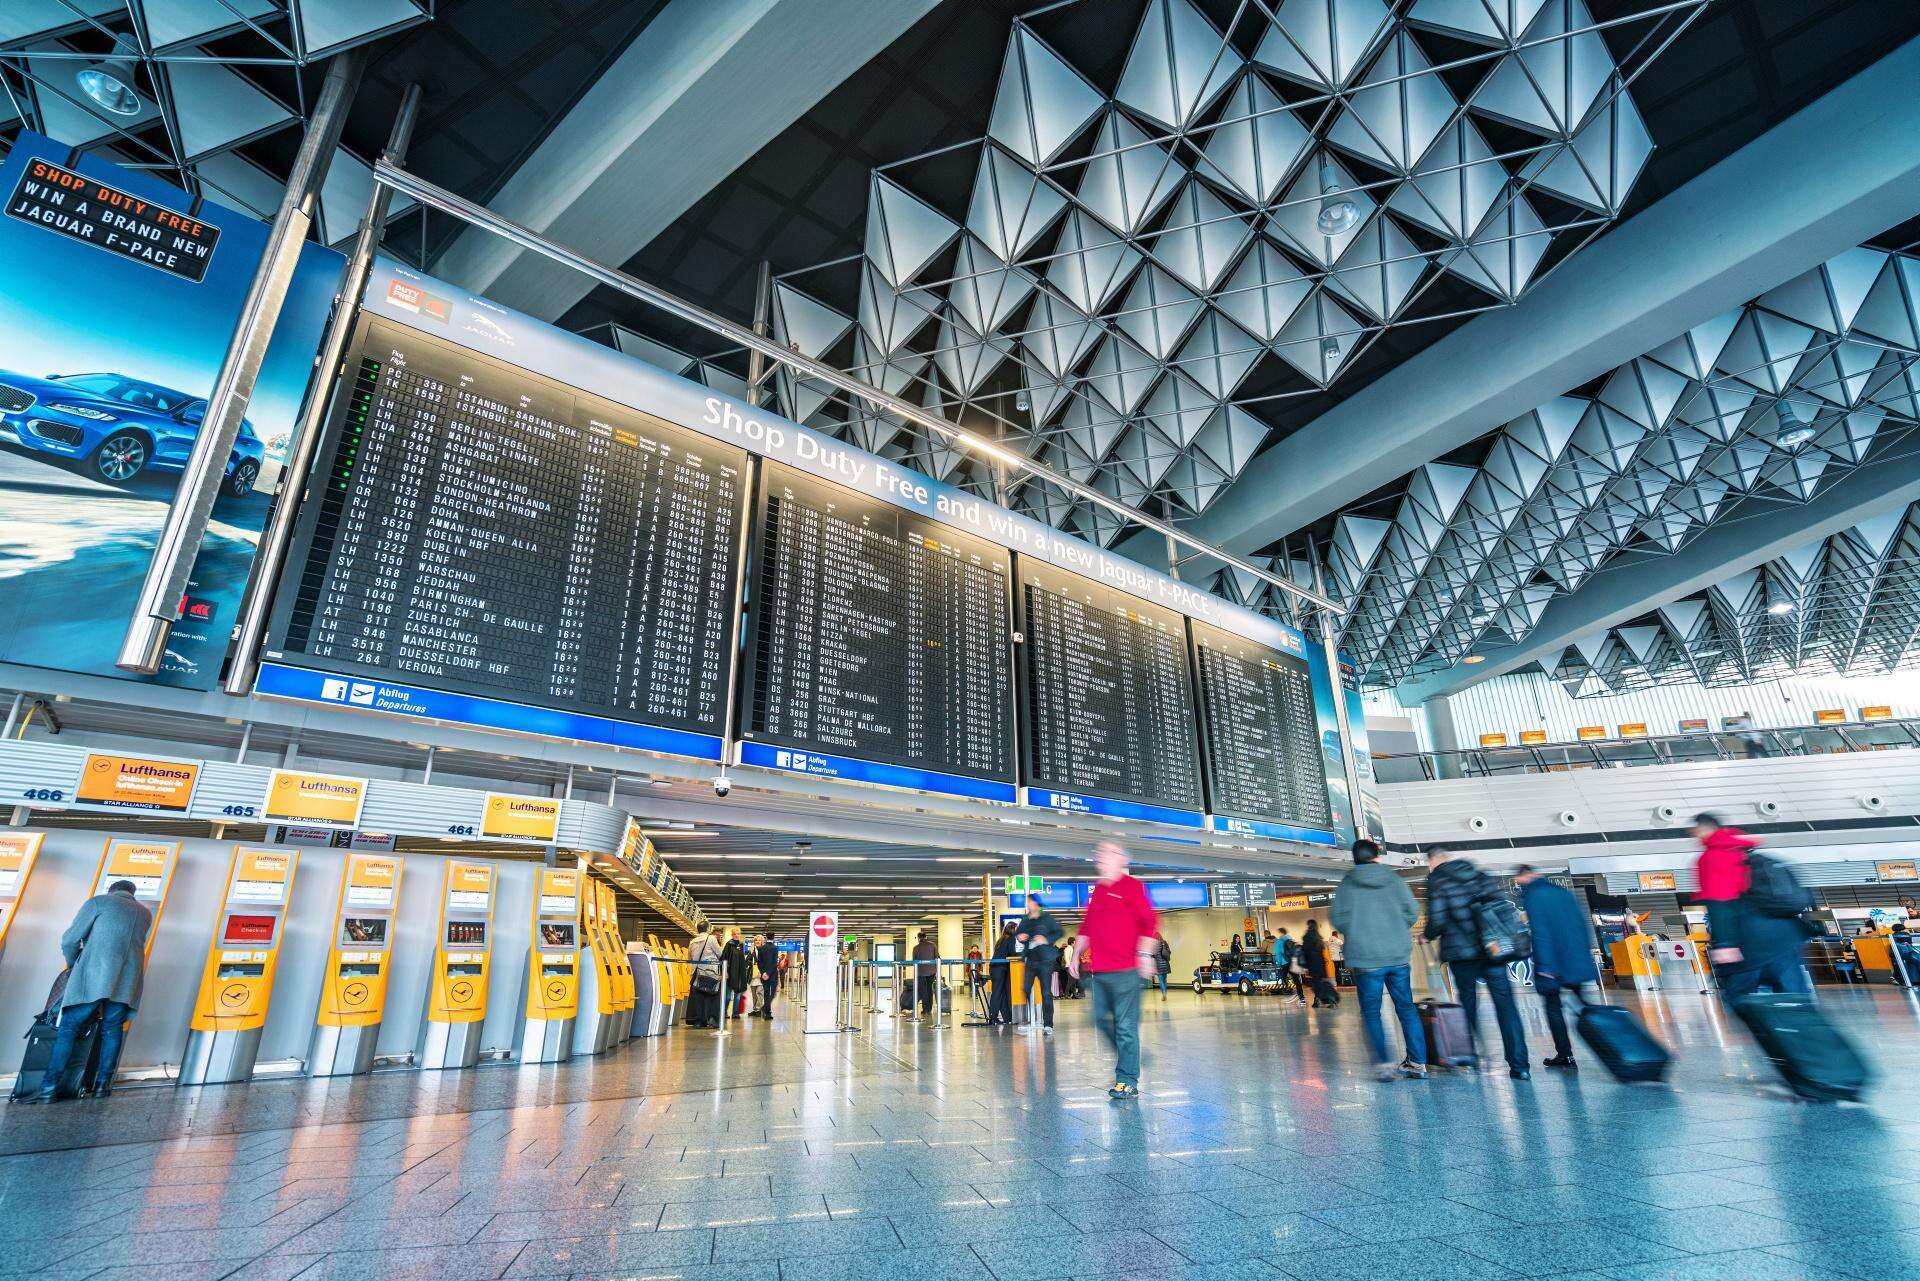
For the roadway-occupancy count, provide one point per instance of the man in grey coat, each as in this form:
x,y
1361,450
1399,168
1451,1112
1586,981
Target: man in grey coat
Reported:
x,y
106,950
1375,912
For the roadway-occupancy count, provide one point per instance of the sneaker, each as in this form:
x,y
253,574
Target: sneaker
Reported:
x,y
1121,1090
1520,1074
1048,1030
1413,1071
1563,1061
1386,1072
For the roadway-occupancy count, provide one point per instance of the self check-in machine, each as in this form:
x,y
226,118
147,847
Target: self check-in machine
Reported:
x,y
625,987
18,851
649,1013
462,960
353,992
553,969
237,982
593,1028
148,866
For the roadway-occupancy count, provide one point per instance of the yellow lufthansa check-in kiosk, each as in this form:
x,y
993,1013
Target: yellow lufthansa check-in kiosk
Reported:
x,y
18,852
462,962
649,1014
553,968
593,1027
223,1040
353,991
626,989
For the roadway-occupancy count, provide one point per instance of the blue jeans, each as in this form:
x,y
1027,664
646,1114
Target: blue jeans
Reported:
x,y
1116,1012
1161,979
1396,981
1781,974
73,1019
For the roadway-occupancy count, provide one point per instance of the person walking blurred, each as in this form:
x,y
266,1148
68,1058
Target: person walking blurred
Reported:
x,y
733,957
1562,954
1753,913
1375,912
926,974
1118,944
106,953
1458,896
1162,962
1313,955
1039,934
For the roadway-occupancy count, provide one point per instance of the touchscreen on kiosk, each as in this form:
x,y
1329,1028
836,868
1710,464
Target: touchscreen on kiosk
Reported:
x,y
471,934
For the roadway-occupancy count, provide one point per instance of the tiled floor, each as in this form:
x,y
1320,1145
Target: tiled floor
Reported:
x,y
1262,1151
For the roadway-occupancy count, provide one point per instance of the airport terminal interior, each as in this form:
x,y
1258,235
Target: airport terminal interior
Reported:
x,y
967,640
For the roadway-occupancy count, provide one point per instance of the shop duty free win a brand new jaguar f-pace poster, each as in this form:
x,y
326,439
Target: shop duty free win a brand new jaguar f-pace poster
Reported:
x,y
118,295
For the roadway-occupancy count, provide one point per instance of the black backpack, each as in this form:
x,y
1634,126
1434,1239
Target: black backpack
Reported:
x,y
1773,889
1503,931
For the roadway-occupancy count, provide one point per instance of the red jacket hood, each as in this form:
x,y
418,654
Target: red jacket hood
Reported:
x,y
1723,864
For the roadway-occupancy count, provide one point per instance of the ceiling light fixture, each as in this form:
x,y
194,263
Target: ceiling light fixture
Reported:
x,y
1471,659
1338,214
1330,348
110,82
1780,607
1022,402
1795,430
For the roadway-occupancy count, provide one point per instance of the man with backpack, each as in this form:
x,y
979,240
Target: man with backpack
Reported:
x,y
1480,933
1286,955
1562,954
1754,903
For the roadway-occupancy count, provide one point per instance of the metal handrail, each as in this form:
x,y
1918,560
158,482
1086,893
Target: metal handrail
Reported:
x,y
1666,749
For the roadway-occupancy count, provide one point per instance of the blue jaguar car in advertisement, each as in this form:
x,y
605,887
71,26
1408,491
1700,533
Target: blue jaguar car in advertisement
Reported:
x,y
117,428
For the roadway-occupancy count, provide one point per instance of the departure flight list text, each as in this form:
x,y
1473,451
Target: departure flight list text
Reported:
x,y
1261,728
877,633
485,530
1109,708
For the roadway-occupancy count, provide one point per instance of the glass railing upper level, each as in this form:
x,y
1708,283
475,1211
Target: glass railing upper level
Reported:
x,y
1625,753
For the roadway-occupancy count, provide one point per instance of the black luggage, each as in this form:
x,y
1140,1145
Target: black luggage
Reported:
x,y
1325,993
1622,1044
40,1036
1449,1039
1816,1060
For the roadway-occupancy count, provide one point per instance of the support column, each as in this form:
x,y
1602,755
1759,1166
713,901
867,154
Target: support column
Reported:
x,y
1443,734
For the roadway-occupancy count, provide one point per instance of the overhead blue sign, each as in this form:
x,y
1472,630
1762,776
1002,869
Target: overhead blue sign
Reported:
x,y
1073,896
821,765
354,694
1270,831
1080,803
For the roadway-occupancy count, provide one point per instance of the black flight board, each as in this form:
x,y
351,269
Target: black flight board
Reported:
x,y
1260,729
878,633
1109,704
485,530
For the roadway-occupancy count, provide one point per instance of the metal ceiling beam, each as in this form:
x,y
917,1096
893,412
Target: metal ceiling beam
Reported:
x,y
699,91
1631,585
1838,173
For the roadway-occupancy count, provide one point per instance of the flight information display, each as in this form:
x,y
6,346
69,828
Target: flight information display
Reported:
x,y
485,530
1109,704
878,633
1260,730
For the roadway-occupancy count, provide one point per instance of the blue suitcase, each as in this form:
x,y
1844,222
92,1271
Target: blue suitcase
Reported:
x,y
1622,1044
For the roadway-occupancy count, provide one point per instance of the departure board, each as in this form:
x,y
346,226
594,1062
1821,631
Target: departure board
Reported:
x,y
878,633
481,529
1260,731
1109,704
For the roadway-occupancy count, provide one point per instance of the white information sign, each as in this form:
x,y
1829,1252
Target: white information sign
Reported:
x,y
823,972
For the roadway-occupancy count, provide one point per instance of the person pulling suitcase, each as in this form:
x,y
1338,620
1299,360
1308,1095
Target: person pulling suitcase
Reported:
x,y
1562,955
106,952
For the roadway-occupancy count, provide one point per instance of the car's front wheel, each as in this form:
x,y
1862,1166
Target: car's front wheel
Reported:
x,y
240,482
120,458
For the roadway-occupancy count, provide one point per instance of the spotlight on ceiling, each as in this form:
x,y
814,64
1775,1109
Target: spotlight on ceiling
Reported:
x,y
1338,214
1330,348
110,82
1795,430
1471,659
1780,607
1022,402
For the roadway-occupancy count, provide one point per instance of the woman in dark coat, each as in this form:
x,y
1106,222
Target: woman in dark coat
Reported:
x,y
1313,955
738,967
1000,1004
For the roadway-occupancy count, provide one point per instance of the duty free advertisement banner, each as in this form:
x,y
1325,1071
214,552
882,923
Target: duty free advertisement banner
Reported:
x,y
118,295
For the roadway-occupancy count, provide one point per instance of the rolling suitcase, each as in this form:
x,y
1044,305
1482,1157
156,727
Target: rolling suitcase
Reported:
x,y
1449,1040
1816,1060
46,1025
1325,992
1623,1046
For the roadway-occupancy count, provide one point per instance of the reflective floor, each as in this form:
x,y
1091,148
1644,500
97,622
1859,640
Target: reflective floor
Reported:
x,y
1262,1150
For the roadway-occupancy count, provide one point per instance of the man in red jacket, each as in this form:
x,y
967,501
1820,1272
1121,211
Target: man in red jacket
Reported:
x,y
1118,943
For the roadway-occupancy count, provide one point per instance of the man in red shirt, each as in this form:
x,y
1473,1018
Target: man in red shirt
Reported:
x,y
1117,941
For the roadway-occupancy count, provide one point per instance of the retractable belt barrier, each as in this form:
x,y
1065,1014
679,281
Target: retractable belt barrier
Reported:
x,y
857,1015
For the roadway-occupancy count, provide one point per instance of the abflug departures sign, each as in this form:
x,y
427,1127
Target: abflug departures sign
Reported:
x,y
120,222
484,327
